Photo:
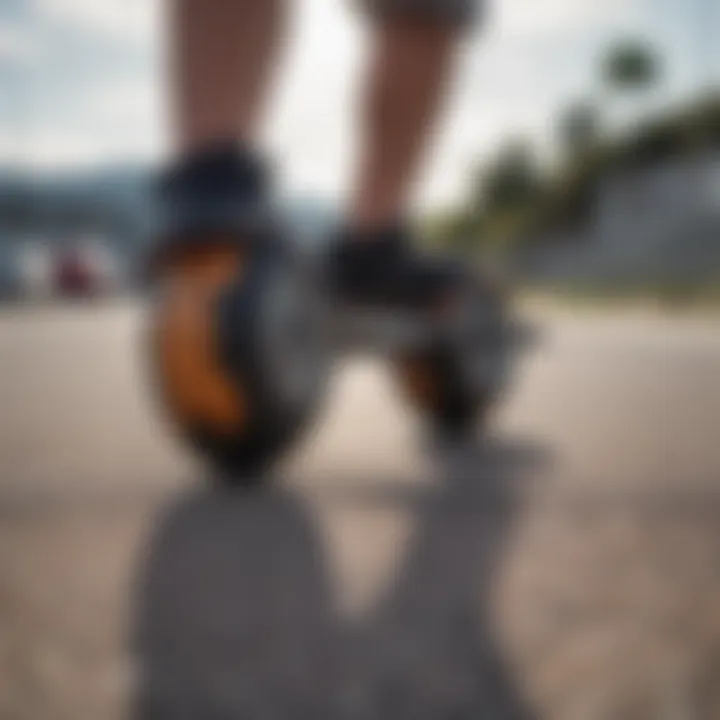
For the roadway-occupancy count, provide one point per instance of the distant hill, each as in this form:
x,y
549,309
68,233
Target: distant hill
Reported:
x,y
110,201
115,202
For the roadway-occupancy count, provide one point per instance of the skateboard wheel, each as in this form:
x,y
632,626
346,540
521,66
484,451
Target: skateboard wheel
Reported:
x,y
230,387
455,384
434,385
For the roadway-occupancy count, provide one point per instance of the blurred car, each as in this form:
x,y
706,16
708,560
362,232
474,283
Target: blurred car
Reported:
x,y
87,268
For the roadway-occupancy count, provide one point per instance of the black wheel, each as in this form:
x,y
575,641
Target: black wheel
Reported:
x,y
455,385
434,384
238,356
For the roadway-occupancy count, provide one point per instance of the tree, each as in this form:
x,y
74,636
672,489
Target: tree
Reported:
x,y
631,65
511,180
630,68
579,127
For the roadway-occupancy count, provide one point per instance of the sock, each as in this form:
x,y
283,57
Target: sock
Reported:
x,y
226,169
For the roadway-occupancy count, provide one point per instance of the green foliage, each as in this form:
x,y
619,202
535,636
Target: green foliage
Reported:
x,y
579,127
631,65
456,229
514,204
511,180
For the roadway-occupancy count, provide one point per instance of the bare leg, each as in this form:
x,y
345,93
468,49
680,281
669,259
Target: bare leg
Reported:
x,y
223,52
413,60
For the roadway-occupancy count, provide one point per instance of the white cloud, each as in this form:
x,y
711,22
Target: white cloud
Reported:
x,y
311,121
535,17
131,102
18,46
135,20
50,148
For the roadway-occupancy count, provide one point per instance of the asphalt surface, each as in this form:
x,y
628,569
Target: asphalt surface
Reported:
x,y
564,566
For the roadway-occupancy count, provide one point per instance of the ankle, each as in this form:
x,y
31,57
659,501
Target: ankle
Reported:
x,y
225,168
208,201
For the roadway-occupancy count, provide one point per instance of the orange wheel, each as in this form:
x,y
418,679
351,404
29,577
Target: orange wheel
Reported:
x,y
204,337
195,386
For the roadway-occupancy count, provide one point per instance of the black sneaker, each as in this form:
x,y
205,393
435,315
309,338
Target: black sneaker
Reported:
x,y
383,270
222,190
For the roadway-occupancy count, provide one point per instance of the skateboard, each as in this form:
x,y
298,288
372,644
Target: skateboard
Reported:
x,y
244,337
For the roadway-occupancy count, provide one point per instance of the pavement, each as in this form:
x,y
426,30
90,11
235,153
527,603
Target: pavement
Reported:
x,y
564,566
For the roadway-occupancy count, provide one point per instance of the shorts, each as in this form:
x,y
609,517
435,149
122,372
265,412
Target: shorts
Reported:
x,y
455,12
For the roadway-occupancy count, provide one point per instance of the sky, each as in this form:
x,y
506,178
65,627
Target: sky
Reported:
x,y
82,82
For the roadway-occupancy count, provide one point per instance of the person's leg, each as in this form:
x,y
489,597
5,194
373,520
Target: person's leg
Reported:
x,y
373,260
409,74
223,52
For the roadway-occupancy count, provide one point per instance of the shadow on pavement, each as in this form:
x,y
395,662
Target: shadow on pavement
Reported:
x,y
236,618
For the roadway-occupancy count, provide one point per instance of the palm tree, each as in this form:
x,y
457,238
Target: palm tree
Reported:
x,y
631,65
630,68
